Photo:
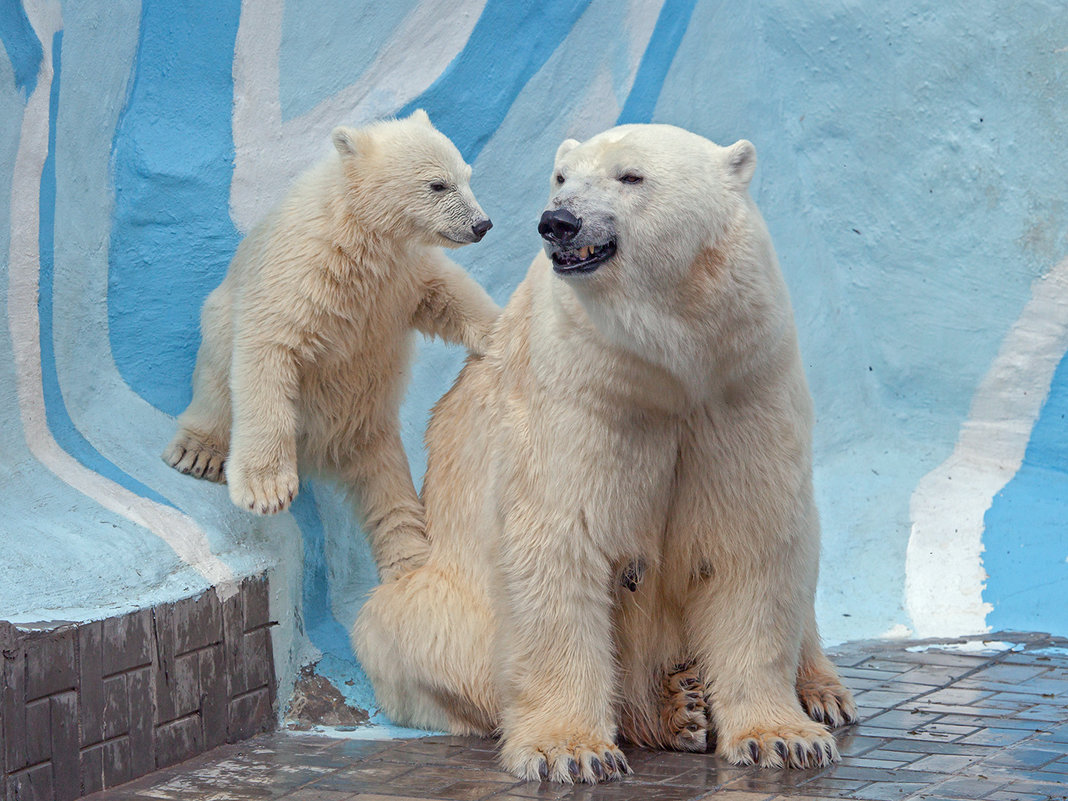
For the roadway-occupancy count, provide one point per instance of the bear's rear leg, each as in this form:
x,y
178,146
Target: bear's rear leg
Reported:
x,y
684,709
197,455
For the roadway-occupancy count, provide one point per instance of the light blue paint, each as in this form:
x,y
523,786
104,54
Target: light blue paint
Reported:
x,y
62,427
319,622
172,238
509,44
1026,528
664,43
22,46
327,46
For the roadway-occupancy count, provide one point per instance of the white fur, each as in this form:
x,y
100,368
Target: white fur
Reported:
x,y
306,342
652,411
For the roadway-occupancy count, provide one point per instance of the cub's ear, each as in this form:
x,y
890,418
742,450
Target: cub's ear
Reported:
x,y
419,115
566,147
741,162
351,142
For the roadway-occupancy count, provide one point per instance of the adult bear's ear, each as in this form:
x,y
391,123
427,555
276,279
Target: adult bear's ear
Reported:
x,y
741,162
566,147
351,142
419,115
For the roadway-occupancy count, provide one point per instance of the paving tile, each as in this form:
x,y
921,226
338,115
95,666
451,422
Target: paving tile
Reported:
x,y
50,663
909,743
901,719
996,736
1023,757
127,642
890,791
943,763
975,785
66,773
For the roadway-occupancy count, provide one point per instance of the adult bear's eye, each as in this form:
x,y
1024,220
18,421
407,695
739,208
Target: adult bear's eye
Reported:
x,y
437,186
559,177
630,178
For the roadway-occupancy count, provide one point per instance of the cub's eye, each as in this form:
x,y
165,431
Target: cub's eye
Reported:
x,y
559,177
437,186
630,178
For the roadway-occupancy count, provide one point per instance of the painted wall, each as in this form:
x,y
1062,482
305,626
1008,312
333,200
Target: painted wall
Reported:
x,y
911,170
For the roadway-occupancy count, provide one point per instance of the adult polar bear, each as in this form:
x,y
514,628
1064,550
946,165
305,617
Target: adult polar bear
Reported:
x,y
642,405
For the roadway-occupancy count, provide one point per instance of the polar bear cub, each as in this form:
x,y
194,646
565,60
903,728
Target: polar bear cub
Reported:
x,y
306,343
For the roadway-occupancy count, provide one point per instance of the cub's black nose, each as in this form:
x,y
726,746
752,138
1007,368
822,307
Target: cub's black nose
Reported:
x,y
559,226
480,229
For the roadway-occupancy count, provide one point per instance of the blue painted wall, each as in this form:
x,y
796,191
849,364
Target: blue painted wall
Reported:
x,y
904,157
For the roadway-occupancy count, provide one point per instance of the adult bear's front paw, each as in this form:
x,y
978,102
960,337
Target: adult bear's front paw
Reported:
x,y
802,745
566,760
264,492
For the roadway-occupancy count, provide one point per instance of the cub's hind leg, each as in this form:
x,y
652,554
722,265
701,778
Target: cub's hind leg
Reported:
x,y
426,643
393,515
201,445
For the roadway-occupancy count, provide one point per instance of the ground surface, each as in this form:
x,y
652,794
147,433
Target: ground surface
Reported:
x,y
965,720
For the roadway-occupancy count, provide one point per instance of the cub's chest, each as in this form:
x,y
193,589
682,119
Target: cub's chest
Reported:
x,y
354,320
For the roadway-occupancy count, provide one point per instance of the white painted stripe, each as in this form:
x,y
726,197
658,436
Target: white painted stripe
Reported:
x,y
269,154
944,576
179,531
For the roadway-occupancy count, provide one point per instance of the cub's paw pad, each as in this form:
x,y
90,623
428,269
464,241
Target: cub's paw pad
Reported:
x,y
196,456
827,701
633,574
782,747
265,494
684,710
567,762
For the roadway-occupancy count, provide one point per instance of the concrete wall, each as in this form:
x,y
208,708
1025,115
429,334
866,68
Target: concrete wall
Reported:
x,y
911,169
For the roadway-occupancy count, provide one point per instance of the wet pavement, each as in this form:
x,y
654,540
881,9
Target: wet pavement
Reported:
x,y
967,719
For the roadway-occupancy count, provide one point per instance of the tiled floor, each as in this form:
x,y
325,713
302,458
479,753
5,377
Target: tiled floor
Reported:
x,y
960,721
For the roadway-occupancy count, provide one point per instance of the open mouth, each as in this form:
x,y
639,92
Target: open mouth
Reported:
x,y
583,260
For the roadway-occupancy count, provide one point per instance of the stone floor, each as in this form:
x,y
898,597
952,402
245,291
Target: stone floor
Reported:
x,y
965,720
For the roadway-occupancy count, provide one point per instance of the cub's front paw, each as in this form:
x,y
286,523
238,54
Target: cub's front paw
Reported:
x,y
802,745
263,492
566,760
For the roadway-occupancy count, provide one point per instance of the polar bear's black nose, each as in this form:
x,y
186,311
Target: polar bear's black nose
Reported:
x,y
559,226
480,229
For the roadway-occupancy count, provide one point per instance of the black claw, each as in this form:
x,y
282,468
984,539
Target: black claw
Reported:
x,y
823,754
573,768
690,707
598,768
609,764
780,749
754,751
543,770
621,764
690,683
800,756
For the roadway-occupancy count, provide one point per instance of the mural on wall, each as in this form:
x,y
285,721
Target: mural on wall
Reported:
x,y
903,171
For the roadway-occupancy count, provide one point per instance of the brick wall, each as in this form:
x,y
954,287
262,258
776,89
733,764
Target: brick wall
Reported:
x,y
92,705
